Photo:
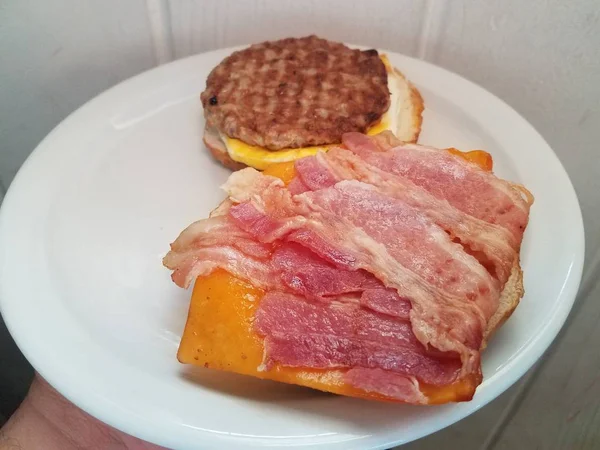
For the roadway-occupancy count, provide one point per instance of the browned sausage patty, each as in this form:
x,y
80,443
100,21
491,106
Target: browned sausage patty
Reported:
x,y
296,92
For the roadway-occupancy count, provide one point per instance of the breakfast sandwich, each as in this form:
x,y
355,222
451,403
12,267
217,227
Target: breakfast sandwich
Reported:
x,y
278,101
377,269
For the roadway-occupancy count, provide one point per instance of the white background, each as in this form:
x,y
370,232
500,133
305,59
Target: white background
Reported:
x,y
540,56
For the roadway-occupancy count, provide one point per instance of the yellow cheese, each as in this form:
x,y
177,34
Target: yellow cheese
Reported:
x,y
260,158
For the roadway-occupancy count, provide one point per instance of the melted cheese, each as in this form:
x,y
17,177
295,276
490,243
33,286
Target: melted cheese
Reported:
x,y
260,158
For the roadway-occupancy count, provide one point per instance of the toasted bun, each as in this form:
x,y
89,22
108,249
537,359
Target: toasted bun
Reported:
x,y
410,109
216,147
509,300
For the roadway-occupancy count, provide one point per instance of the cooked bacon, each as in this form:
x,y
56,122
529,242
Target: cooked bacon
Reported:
x,y
385,382
300,333
308,275
314,174
204,261
304,273
446,176
297,186
218,243
493,244
386,301
211,243
410,238
355,227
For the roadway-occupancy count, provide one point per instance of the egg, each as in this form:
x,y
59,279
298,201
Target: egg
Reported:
x,y
261,158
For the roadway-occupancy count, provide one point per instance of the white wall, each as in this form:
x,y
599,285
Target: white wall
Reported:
x,y
540,56
57,54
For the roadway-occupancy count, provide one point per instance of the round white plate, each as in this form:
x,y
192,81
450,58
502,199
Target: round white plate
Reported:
x,y
88,218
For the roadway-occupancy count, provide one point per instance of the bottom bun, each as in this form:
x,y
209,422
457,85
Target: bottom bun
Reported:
x,y
217,148
509,300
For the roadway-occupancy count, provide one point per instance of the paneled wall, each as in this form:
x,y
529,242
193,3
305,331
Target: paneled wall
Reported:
x,y
541,56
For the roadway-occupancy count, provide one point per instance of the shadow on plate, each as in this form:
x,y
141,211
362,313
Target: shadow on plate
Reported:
x,y
247,387
359,415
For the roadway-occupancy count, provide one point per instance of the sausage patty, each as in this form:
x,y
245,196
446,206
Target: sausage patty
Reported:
x,y
296,92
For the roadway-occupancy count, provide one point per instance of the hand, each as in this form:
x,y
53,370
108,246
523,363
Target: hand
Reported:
x,y
46,420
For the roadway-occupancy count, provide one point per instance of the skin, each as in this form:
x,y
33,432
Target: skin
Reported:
x,y
47,421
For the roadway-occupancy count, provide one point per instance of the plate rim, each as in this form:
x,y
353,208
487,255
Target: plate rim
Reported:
x,y
83,400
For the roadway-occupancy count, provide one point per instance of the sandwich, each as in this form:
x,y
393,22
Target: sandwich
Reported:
x,y
378,269
278,101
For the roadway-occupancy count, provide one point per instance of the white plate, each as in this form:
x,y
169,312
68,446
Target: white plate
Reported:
x,y
88,218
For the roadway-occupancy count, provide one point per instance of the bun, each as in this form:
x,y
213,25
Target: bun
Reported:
x,y
509,300
217,148
410,109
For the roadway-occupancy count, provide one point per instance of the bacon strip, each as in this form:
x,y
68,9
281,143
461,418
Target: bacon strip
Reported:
x,y
388,383
467,188
300,333
494,245
212,243
217,242
384,243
